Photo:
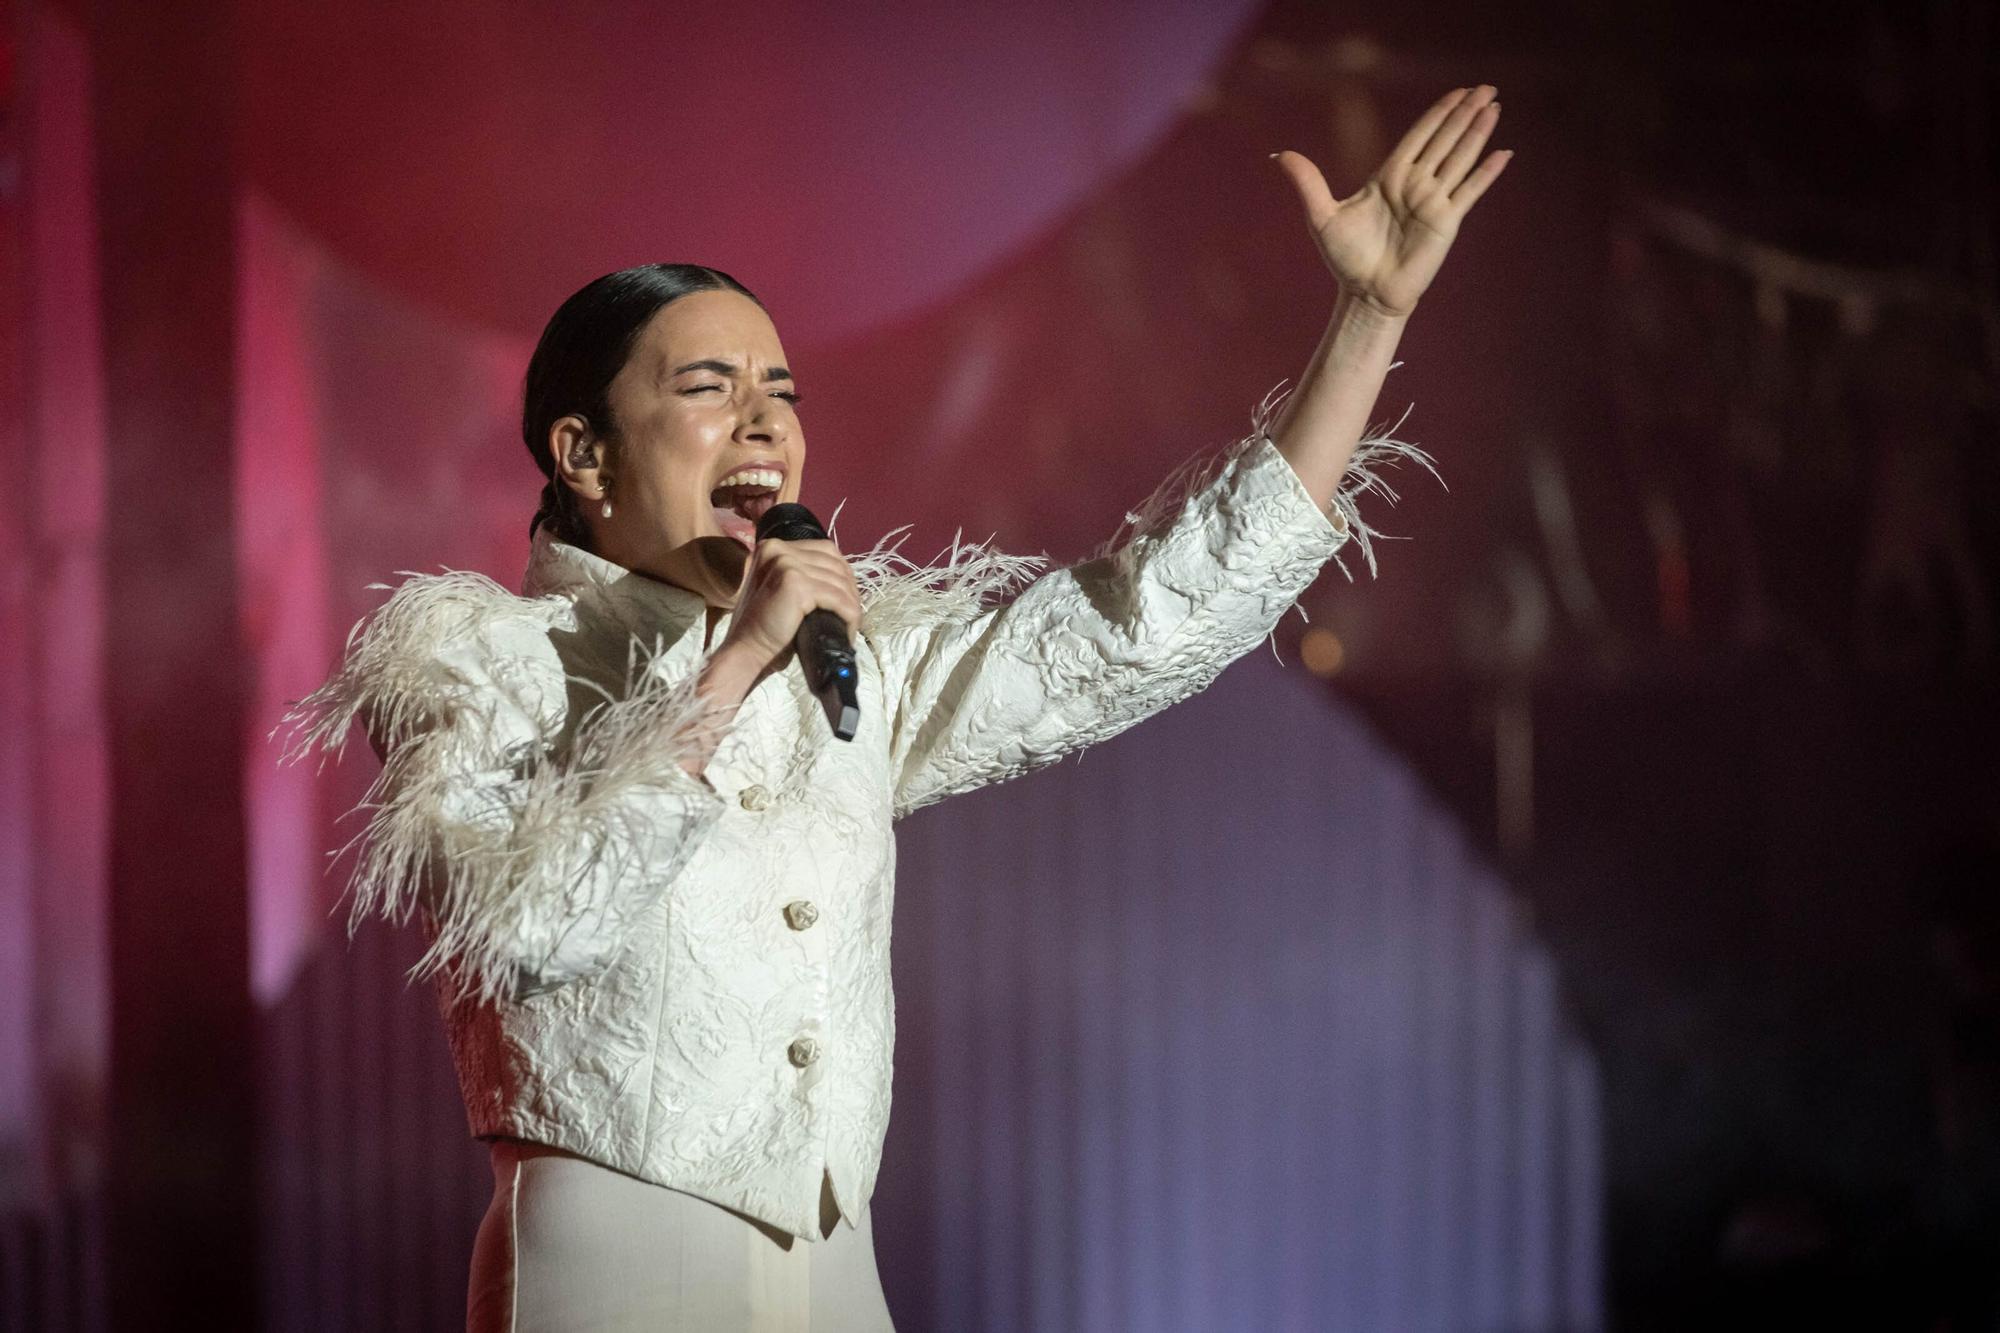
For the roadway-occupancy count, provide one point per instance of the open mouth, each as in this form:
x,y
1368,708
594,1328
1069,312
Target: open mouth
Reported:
x,y
741,502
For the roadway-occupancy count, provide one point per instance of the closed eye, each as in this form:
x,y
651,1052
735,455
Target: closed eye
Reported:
x,y
793,398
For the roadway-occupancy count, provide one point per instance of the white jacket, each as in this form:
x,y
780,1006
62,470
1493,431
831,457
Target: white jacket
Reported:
x,y
687,979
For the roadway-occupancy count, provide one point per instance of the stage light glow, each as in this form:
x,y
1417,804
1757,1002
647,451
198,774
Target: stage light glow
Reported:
x,y
1322,651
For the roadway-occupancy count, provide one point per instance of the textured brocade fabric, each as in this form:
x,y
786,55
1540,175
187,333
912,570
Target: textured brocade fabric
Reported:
x,y
1085,652
657,994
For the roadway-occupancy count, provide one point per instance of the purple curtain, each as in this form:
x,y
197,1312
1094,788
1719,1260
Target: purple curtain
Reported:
x,y
1223,1026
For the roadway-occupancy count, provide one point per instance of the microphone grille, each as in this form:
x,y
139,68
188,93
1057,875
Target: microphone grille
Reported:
x,y
789,523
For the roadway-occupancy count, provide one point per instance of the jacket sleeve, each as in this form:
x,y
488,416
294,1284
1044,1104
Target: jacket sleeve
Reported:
x,y
1196,578
533,846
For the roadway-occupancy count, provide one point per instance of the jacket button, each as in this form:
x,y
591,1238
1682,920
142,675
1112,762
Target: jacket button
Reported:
x,y
754,798
800,914
803,1051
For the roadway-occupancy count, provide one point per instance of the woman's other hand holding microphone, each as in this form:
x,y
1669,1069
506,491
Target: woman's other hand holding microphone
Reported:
x,y
783,582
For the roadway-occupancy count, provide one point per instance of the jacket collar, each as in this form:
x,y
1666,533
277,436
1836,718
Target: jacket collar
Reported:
x,y
649,606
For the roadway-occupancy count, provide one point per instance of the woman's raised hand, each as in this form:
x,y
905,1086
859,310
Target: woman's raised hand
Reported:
x,y
1386,242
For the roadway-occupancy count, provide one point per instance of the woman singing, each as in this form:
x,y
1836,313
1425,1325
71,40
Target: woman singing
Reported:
x,y
655,885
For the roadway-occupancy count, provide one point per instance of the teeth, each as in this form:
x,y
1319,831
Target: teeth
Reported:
x,y
752,476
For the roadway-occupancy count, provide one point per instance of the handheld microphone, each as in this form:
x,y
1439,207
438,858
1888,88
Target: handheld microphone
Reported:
x,y
825,653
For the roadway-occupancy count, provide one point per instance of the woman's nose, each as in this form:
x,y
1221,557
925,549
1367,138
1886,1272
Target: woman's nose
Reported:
x,y
757,422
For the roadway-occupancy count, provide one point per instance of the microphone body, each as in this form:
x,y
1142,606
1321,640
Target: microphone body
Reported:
x,y
825,653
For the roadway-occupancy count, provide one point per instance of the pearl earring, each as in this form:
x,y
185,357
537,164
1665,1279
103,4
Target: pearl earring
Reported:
x,y
607,499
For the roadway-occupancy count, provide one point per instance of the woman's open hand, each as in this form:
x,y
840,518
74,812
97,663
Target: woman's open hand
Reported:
x,y
1389,239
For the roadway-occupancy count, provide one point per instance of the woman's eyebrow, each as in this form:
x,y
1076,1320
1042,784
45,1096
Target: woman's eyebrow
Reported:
x,y
726,368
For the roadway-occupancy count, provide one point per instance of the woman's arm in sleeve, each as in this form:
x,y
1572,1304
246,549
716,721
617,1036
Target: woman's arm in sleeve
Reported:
x,y
532,847
1196,578
1085,652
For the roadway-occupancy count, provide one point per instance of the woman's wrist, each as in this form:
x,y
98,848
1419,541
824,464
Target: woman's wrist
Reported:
x,y
1322,421
1357,308
728,676
725,681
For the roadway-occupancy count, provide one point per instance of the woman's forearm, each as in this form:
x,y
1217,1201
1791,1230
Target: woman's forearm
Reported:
x,y
725,681
1324,418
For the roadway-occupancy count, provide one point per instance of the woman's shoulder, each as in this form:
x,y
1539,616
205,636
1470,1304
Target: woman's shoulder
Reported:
x,y
436,642
426,615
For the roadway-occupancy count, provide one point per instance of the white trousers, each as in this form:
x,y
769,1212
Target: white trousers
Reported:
x,y
567,1245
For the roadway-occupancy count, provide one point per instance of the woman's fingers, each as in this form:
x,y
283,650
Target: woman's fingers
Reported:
x,y
1466,151
1411,146
816,574
1448,133
1466,195
1311,185
834,591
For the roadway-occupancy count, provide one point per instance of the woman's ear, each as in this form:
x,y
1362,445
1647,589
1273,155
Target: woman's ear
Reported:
x,y
576,452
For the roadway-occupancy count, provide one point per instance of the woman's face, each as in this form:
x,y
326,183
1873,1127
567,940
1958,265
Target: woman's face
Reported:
x,y
704,398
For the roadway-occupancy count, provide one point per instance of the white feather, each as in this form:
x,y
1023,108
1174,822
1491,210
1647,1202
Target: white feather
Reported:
x,y
492,810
